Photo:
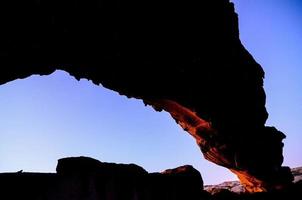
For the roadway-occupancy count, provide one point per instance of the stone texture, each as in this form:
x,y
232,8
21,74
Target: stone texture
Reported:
x,y
297,173
237,187
184,57
233,186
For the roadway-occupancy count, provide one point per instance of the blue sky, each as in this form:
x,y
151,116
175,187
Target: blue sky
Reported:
x,y
46,118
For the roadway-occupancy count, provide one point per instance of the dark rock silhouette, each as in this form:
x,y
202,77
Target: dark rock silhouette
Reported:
x,y
184,57
186,180
83,178
86,166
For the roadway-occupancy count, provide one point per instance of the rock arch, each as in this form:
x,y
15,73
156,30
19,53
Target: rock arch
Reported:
x,y
184,57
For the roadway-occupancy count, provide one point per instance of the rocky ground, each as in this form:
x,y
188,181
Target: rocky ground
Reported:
x,y
297,172
236,187
233,186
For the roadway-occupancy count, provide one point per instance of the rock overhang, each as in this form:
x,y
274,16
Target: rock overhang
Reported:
x,y
183,57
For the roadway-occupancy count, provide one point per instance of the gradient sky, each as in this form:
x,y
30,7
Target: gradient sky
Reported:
x,y
46,118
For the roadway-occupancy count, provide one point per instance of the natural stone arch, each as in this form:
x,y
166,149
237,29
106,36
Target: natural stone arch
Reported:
x,y
183,57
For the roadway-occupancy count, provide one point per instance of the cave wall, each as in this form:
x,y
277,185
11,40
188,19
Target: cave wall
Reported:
x,y
184,57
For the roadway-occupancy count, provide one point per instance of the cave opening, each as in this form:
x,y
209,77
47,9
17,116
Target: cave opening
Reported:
x,y
44,118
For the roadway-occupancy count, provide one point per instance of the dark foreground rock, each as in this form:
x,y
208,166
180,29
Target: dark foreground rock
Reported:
x,y
82,178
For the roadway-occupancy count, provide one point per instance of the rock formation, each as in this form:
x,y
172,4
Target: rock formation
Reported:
x,y
237,187
184,57
82,178
297,173
232,186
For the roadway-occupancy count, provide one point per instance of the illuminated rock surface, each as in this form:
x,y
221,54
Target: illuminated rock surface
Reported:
x,y
297,172
236,187
184,57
